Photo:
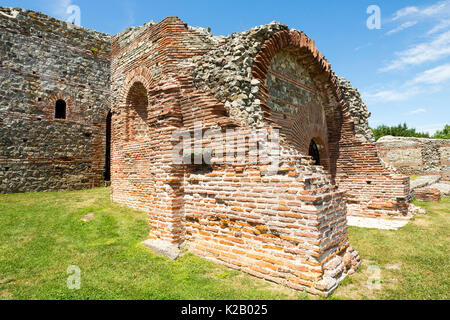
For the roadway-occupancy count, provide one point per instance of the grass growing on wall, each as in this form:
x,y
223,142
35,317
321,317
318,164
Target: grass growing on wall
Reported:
x,y
41,235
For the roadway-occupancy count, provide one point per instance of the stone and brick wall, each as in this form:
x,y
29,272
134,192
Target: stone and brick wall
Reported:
x,y
416,156
427,194
371,188
287,226
43,61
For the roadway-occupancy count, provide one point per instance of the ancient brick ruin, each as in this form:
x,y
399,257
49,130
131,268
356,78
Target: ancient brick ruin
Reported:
x,y
54,101
416,156
288,226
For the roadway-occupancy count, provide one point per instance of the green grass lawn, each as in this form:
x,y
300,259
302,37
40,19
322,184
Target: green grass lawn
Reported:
x,y
414,261
41,235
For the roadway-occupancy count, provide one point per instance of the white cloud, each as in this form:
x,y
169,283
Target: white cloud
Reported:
x,y
393,95
405,12
364,46
433,76
59,7
421,110
402,27
421,53
441,8
436,8
426,82
444,24
438,12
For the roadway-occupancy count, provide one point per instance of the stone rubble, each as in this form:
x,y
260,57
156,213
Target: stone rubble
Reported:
x,y
226,72
416,210
358,110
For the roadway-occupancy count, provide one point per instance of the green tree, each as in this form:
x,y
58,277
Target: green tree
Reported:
x,y
401,130
443,134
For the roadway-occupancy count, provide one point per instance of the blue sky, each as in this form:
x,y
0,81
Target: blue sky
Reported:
x,y
401,69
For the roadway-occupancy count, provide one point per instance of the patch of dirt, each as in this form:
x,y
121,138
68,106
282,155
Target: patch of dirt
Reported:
x,y
422,222
396,266
7,281
88,217
241,278
24,239
85,203
6,295
367,283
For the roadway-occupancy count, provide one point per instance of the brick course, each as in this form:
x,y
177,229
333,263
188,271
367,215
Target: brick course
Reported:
x,y
286,225
427,194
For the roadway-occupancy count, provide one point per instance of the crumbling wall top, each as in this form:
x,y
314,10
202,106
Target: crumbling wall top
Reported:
x,y
226,72
358,109
31,23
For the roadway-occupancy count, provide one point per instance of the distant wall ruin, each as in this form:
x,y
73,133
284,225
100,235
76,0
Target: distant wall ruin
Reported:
x,y
416,156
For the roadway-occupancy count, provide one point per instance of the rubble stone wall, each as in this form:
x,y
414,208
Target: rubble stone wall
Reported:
x,y
43,61
416,156
358,110
295,104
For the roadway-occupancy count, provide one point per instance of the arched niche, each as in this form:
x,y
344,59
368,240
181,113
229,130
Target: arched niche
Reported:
x,y
136,112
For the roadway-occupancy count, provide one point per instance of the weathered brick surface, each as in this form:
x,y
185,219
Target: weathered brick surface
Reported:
x,y
42,60
427,194
371,188
416,156
286,225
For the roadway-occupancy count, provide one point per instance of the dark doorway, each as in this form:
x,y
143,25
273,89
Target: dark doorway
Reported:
x,y
108,148
314,152
60,109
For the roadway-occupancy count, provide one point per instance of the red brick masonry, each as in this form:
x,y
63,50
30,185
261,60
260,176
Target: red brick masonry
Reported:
x,y
287,226
427,194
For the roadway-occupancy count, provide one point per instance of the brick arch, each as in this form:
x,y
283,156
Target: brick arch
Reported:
x,y
70,105
305,129
337,113
142,75
304,45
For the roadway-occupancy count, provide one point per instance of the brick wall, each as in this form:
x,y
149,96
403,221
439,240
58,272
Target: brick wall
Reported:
x,y
287,226
371,189
44,61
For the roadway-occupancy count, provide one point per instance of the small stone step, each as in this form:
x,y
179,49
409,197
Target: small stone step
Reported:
x,y
444,188
163,248
424,181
